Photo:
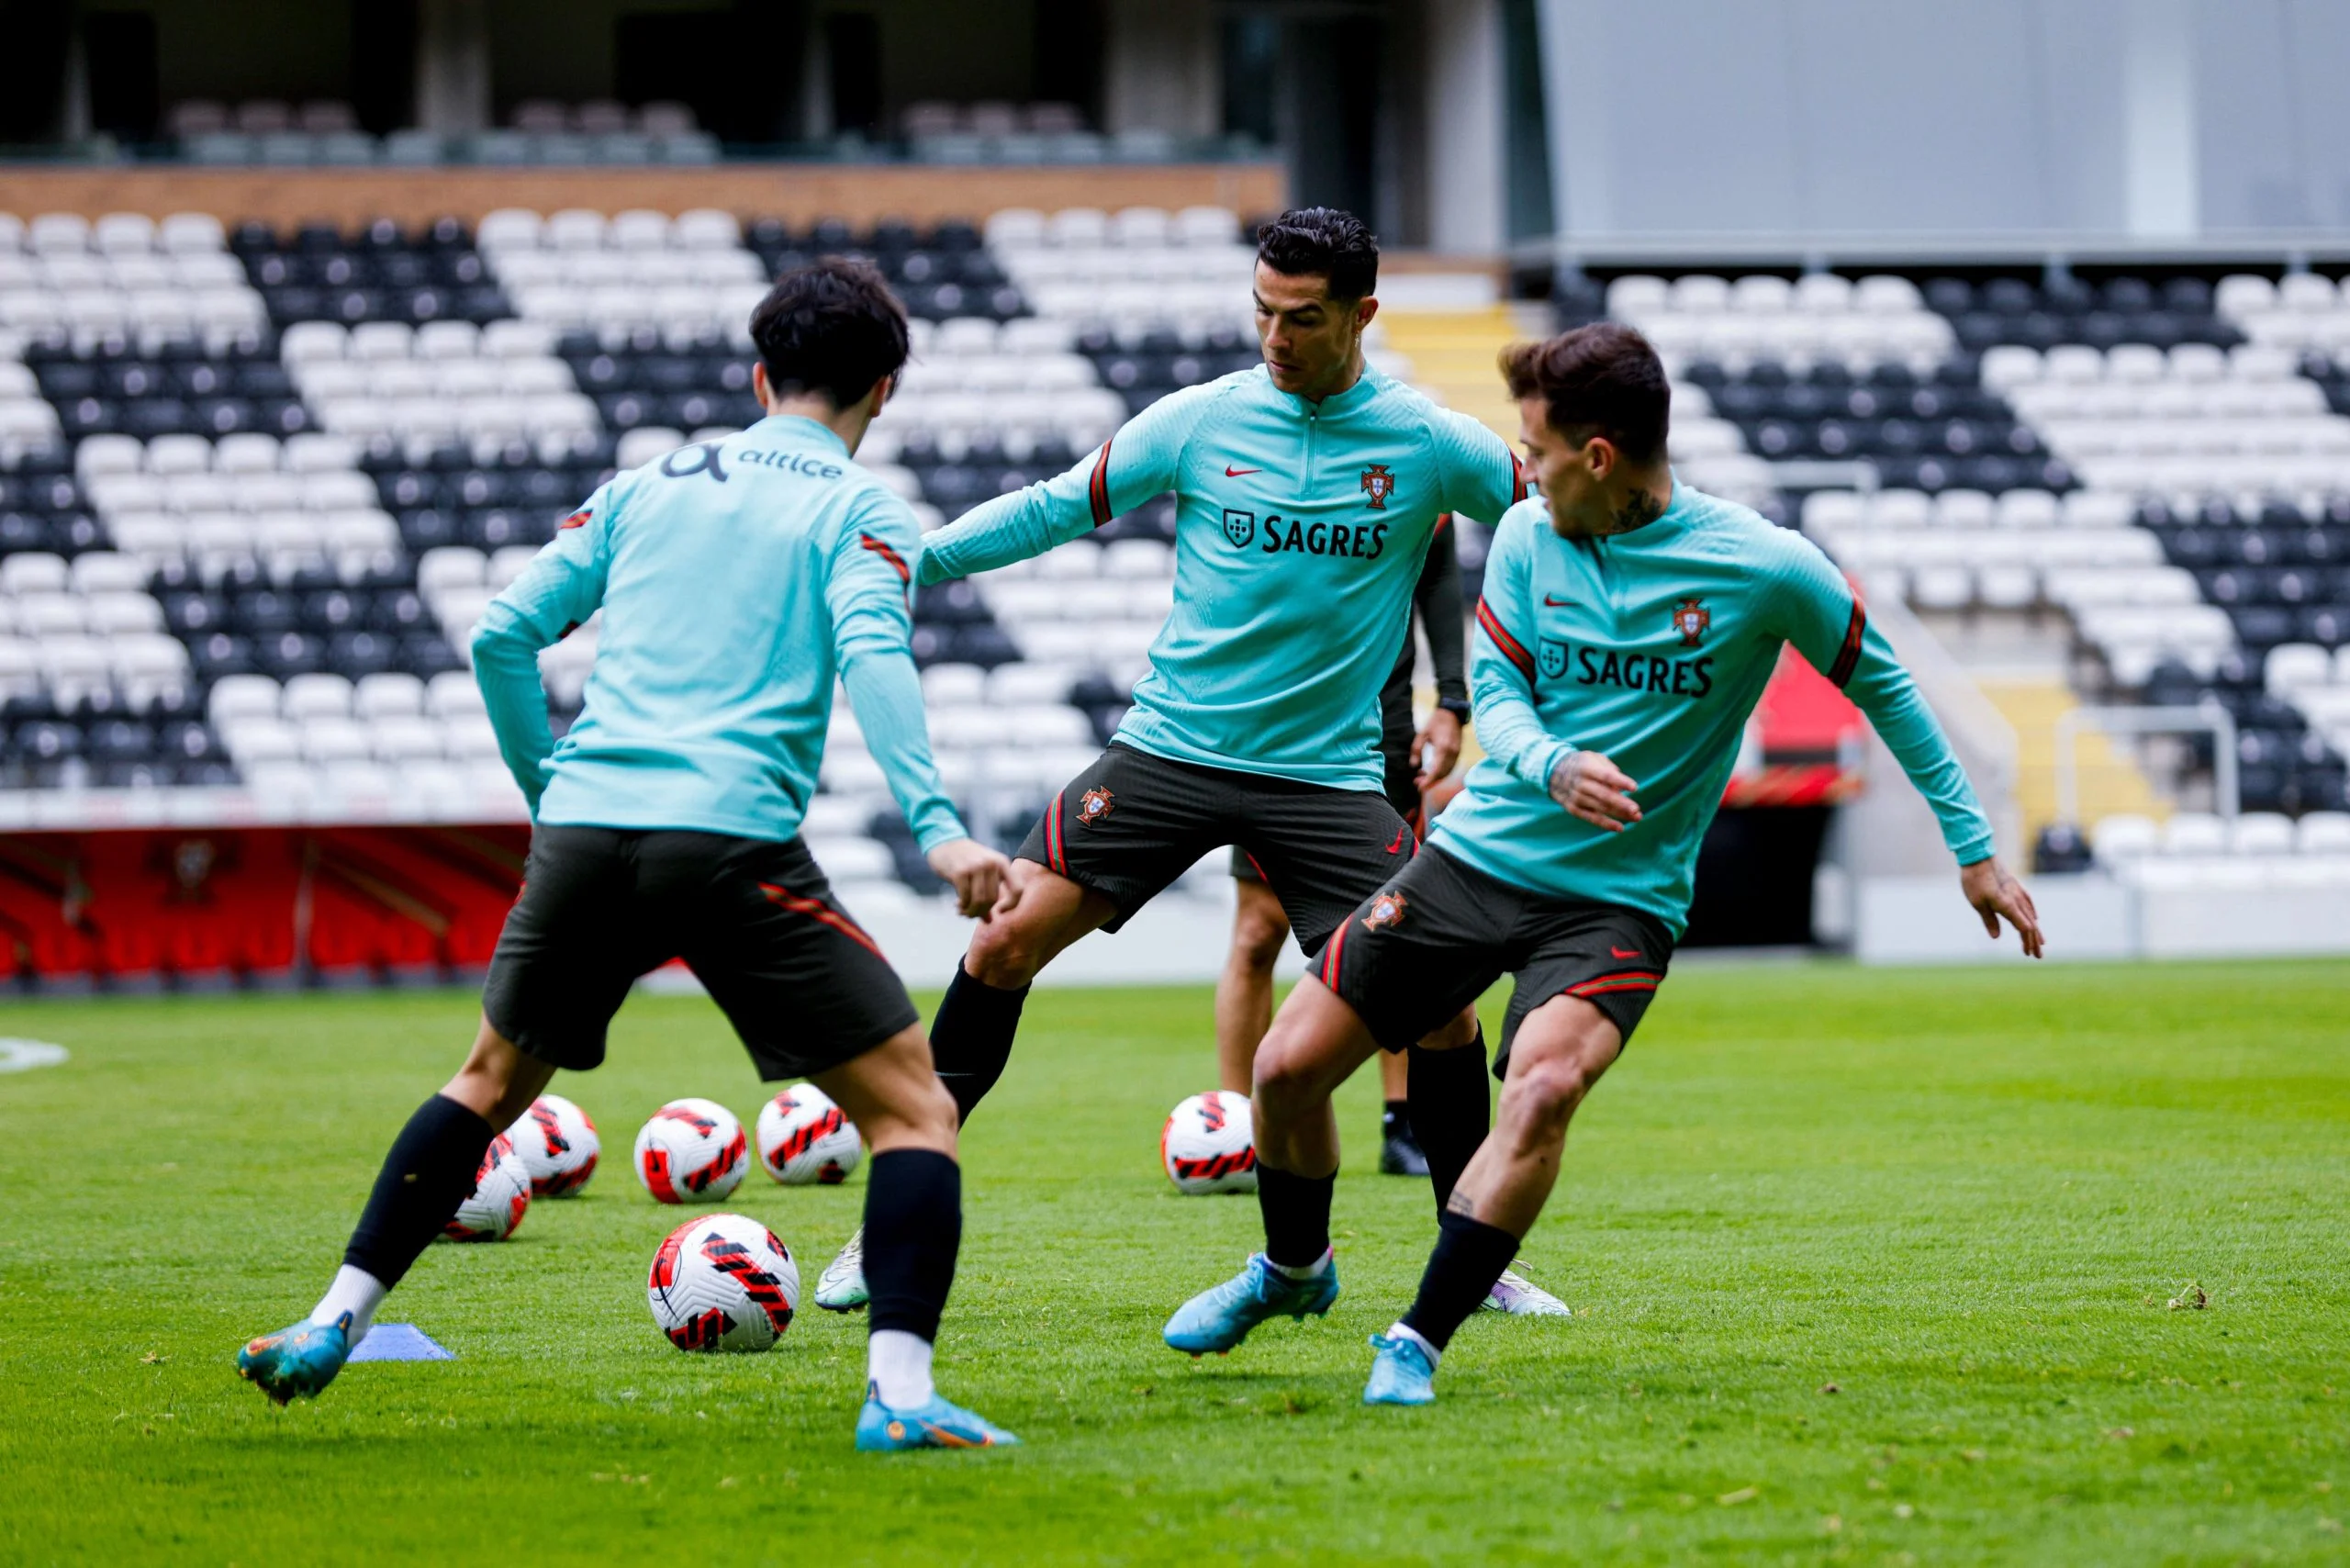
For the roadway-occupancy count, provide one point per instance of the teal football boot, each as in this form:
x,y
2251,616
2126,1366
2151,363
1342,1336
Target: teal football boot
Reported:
x,y
1402,1374
296,1361
1220,1318
936,1425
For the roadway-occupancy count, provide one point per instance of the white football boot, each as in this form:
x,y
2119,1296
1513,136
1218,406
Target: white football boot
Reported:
x,y
1512,1295
841,1287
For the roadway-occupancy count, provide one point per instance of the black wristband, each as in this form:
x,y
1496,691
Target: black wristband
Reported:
x,y
1455,707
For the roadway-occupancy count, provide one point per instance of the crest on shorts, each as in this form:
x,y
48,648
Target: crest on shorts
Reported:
x,y
1378,484
1387,909
1692,620
1239,526
1551,656
1093,806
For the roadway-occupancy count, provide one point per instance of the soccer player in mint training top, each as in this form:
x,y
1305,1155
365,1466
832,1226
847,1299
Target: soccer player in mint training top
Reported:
x,y
1628,628
737,579
1308,489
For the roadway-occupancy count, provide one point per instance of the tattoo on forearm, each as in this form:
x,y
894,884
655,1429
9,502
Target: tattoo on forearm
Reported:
x,y
1638,509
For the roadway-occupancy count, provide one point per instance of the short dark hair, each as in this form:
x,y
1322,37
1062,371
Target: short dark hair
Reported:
x,y
833,326
1600,380
1325,242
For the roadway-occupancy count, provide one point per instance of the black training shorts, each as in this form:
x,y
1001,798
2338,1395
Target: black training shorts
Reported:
x,y
1430,941
1402,789
754,918
1131,824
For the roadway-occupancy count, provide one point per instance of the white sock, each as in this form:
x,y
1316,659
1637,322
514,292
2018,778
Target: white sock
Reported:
x,y
356,1292
1406,1331
1314,1271
900,1367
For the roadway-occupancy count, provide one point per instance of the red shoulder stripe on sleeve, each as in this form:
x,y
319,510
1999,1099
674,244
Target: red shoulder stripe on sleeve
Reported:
x,y
1848,657
1099,491
881,548
1443,521
1511,648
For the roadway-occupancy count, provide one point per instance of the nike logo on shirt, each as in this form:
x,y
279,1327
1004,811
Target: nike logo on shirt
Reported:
x,y
1232,473
1550,603
1624,952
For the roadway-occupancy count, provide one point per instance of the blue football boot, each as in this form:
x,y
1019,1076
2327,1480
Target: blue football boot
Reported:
x,y
1220,1318
936,1425
1403,1374
300,1359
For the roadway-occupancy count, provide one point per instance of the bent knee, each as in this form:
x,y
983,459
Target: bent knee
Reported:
x,y
1258,942
1003,954
1547,1093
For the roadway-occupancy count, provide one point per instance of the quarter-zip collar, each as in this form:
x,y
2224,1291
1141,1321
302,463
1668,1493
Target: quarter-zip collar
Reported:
x,y
799,428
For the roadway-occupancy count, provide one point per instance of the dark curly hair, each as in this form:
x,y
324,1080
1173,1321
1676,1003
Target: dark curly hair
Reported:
x,y
1325,242
832,328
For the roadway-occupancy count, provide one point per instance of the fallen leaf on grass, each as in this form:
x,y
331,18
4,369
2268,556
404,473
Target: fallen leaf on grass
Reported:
x,y
1743,1494
2121,1434
2191,1299
1831,1388
152,1357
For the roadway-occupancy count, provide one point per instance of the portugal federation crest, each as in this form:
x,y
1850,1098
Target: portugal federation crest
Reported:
x,y
1387,909
1239,526
1692,620
1093,806
1378,484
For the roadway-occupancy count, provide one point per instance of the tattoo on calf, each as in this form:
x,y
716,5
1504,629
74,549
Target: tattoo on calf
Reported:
x,y
1461,1203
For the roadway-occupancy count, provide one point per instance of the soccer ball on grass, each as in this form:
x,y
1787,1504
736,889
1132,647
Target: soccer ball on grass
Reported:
x,y
805,1140
691,1151
558,1143
722,1282
502,1192
1209,1145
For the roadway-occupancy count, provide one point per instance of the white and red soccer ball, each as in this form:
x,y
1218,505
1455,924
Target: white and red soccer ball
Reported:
x,y
691,1151
1209,1145
806,1140
558,1145
501,1193
723,1283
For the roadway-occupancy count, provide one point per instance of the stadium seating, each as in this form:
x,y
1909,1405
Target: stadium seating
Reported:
x,y
2258,850
326,132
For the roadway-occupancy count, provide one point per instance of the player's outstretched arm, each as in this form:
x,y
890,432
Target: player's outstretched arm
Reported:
x,y
869,594
1121,474
1829,626
555,593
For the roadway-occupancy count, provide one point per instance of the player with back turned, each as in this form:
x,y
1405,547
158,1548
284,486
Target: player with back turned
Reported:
x,y
1307,491
1628,628
736,578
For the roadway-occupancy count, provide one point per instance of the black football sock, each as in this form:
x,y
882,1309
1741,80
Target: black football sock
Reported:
x,y
430,1171
970,1040
1395,1120
1450,1114
1470,1256
1297,1215
913,1226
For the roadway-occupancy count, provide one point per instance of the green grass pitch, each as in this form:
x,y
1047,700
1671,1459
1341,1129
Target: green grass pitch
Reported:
x,y
1869,1267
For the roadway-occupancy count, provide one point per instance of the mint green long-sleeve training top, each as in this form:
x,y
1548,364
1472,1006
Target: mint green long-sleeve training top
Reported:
x,y
1653,647
737,577
1301,529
